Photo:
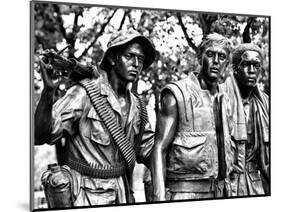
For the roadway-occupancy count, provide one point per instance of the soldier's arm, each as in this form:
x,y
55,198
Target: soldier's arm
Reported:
x,y
52,120
264,160
265,142
43,112
165,131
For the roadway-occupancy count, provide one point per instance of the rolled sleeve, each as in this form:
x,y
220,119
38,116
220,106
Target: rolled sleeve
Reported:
x,y
66,112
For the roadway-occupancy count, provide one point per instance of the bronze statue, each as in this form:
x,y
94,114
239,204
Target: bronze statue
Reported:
x,y
103,124
250,109
193,152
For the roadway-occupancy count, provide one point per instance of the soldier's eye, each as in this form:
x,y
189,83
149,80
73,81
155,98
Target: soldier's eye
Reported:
x,y
244,64
222,56
257,65
209,54
128,56
141,59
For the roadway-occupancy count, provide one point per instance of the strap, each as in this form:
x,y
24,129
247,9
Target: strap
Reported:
x,y
220,137
144,120
106,114
181,92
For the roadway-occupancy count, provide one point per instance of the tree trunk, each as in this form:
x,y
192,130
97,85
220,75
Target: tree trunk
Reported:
x,y
246,34
206,21
188,39
123,19
98,35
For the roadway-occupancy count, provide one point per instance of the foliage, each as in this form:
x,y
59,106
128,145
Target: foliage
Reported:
x,y
176,35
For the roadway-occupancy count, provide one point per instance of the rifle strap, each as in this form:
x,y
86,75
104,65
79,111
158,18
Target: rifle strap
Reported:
x,y
105,112
144,120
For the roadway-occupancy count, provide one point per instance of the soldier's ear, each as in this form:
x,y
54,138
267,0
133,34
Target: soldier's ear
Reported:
x,y
227,63
111,59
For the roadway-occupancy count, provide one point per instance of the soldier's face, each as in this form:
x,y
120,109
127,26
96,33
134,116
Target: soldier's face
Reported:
x,y
129,62
249,68
214,62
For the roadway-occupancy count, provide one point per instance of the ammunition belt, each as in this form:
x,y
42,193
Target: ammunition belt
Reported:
x,y
106,114
195,134
97,171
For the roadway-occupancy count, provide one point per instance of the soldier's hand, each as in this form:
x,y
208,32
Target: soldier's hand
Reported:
x,y
51,78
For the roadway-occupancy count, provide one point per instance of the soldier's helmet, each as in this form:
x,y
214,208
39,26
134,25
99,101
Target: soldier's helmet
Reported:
x,y
124,37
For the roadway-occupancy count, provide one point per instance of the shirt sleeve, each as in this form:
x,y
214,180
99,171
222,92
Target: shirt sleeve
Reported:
x,y
66,112
146,145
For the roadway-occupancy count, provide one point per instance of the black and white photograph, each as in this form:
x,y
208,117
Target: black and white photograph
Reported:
x,y
143,106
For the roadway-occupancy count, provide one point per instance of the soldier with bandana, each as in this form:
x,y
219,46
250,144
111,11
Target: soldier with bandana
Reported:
x,y
250,108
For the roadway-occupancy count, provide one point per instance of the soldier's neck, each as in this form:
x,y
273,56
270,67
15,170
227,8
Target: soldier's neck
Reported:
x,y
119,86
207,84
245,91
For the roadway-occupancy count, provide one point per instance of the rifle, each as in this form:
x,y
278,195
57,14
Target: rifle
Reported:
x,y
68,67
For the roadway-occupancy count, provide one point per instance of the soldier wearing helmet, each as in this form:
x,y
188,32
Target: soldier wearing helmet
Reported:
x,y
97,167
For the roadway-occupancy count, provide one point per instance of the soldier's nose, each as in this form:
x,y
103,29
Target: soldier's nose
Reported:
x,y
136,62
216,58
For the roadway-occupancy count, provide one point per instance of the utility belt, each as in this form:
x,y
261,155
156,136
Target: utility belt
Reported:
x,y
97,171
191,185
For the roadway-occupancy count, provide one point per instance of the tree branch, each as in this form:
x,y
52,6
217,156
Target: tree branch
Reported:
x,y
97,36
60,21
142,20
188,39
246,33
131,20
71,37
206,22
123,19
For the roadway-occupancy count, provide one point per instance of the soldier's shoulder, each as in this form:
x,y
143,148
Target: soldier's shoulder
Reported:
x,y
175,84
76,89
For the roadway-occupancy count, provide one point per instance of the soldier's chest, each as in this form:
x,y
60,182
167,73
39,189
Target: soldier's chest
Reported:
x,y
202,112
125,107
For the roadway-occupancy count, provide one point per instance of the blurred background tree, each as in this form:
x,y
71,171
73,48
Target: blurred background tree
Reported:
x,y
175,34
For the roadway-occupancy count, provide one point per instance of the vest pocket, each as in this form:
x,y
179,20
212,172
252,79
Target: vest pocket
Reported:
x,y
191,142
194,157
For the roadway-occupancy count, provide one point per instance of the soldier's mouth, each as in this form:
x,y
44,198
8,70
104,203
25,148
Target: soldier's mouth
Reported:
x,y
251,80
214,70
135,73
